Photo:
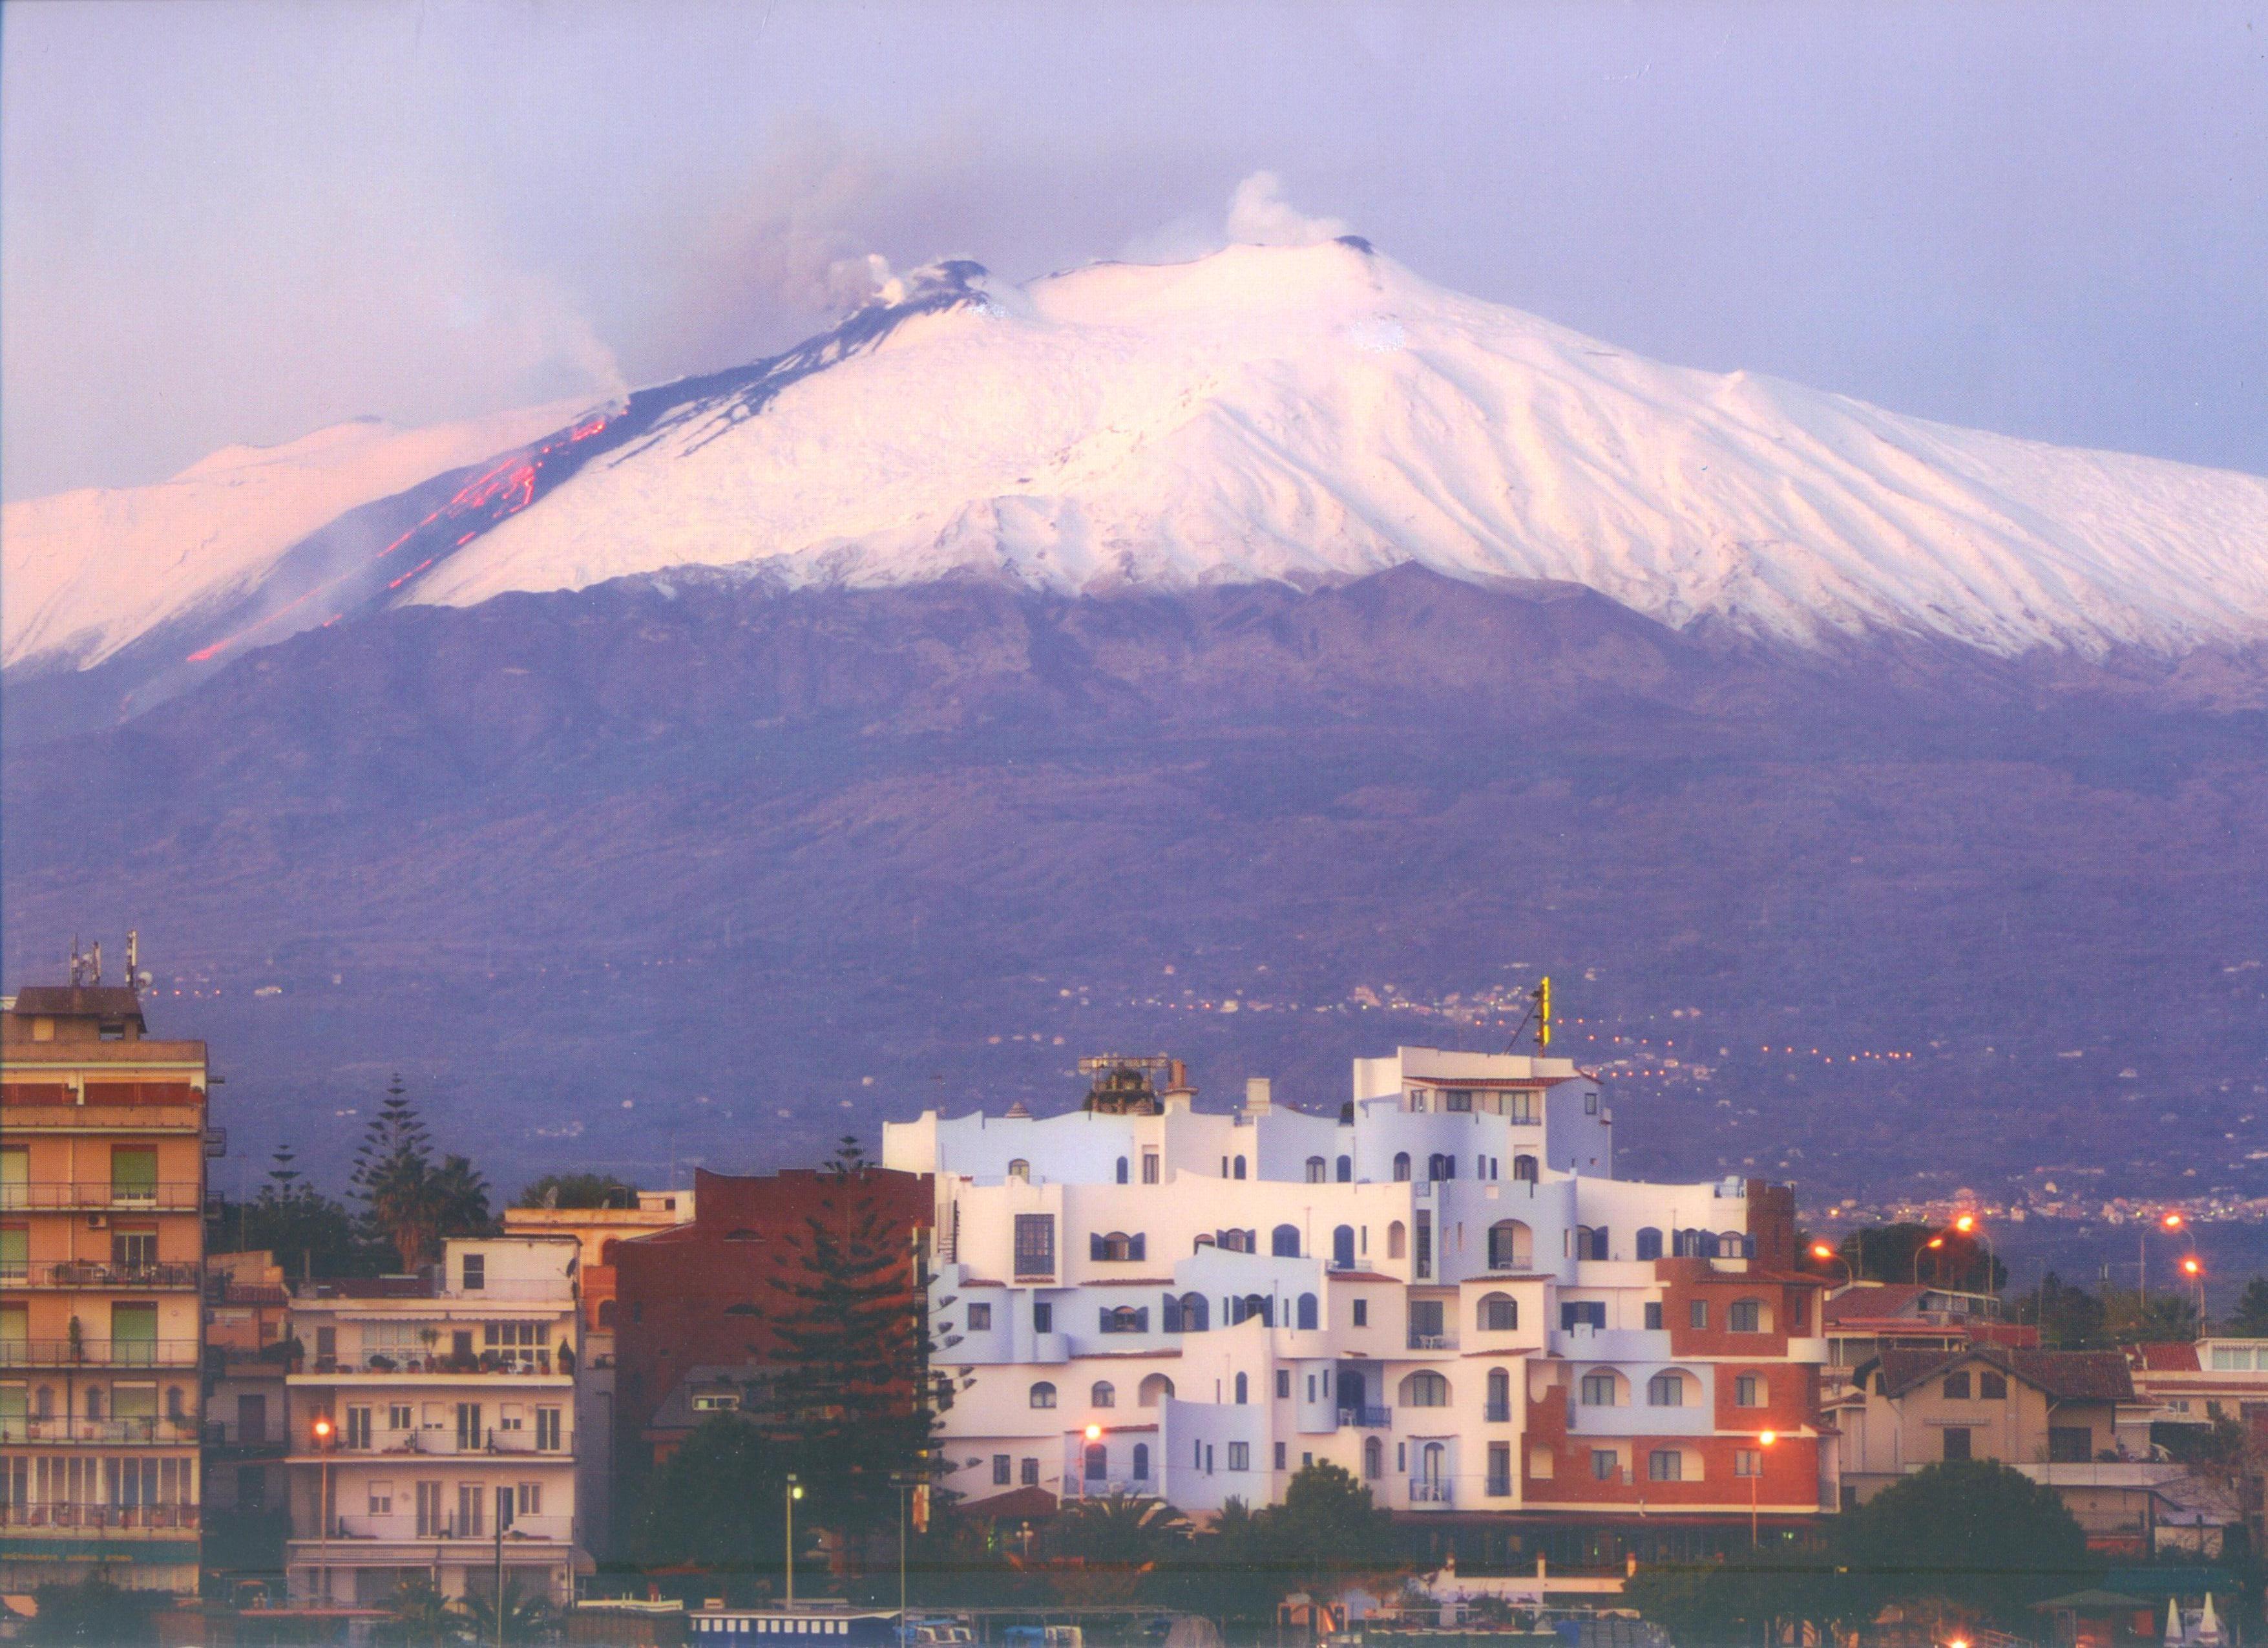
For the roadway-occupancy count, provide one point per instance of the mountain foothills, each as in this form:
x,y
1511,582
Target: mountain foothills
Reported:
x,y
1012,673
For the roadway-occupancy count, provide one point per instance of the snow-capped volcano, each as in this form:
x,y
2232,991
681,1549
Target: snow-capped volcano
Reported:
x,y
1304,414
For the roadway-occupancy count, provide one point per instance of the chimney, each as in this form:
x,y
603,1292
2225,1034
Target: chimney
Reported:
x,y
1179,1090
1258,1100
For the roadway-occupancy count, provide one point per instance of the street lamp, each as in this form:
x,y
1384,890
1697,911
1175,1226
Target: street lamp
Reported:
x,y
322,1429
1822,1252
2193,1268
794,1493
2171,1222
1934,1241
1969,1224
904,1482
1764,1439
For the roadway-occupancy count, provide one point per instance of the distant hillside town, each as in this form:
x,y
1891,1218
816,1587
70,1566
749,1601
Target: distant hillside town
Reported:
x,y
1421,1348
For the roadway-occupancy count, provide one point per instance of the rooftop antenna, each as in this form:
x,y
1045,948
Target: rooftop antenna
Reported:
x,y
97,963
78,964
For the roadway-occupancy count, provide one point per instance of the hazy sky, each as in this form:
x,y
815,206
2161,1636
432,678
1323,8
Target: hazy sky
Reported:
x,y
222,223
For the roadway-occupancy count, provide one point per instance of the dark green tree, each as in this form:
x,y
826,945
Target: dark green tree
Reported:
x,y
1113,1552
1327,1537
577,1190
528,1618
1973,1538
310,1234
855,1345
2068,1318
1751,1597
2249,1320
93,1612
718,1502
408,1202
419,1616
1902,1252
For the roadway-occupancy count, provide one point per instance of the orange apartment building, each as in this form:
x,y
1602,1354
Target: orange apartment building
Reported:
x,y
102,1191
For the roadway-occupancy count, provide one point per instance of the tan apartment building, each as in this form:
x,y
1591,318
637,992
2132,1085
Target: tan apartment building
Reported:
x,y
2067,1419
248,1318
102,1190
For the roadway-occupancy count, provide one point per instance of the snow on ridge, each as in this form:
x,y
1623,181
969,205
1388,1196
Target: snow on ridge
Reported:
x,y
86,572
1317,413
1307,414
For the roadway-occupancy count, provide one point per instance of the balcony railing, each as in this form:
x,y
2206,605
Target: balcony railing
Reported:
x,y
404,1527
98,1273
1428,1490
1498,1414
20,1428
1129,1488
98,1353
1498,1487
221,1433
1367,1418
76,1516
536,1363
1432,1342
445,1441
62,1196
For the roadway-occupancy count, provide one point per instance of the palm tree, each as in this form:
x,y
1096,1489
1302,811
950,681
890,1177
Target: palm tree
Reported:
x,y
1101,1552
421,1614
526,1618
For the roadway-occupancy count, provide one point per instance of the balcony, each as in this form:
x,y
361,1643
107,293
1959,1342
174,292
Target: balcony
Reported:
x,y
1428,1490
1116,1488
1498,1488
537,1365
98,1353
404,1527
1367,1418
59,1196
223,1436
95,1272
16,1428
75,1518
1497,1413
444,1444
1432,1342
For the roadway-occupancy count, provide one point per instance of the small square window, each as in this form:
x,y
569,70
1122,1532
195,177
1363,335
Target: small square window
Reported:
x,y
477,1272
1993,1387
1653,1315
1239,1456
980,1318
1606,1465
1957,1387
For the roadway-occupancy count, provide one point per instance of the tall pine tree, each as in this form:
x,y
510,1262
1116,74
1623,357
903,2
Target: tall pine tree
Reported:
x,y
855,1345
408,1202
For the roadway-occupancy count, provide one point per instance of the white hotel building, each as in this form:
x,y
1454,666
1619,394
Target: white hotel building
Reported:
x,y
1440,1286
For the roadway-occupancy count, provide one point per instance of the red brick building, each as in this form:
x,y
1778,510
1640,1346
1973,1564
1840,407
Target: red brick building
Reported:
x,y
705,1294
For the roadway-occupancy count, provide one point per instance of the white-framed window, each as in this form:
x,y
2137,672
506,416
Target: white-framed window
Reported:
x,y
381,1499
1745,1316
1239,1456
1043,1394
1748,1390
1601,1390
1665,1465
1748,1462
980,1319
1666,1390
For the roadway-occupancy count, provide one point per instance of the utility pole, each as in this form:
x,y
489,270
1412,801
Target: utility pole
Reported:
x,y
502,1510
794,1493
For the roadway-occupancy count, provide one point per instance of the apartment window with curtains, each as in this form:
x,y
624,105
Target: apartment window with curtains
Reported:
x,y
1036,1245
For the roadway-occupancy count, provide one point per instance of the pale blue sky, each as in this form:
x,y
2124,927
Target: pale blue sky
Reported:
x,y
237,222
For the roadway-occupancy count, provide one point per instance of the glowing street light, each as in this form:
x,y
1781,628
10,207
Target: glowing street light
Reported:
x,y
1822,1253
1934,1242
1094,1433
322,1429
794,1493
1764,1439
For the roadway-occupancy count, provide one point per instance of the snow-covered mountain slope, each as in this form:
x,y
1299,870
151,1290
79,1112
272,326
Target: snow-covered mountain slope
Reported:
x,y
1304,414
86,572
1316,413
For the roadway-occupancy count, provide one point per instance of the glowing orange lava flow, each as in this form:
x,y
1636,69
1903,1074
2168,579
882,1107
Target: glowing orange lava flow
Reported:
x,y
509,485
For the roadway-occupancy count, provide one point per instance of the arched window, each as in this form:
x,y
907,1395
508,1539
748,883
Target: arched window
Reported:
x,y
1103,1395
1649,1243
1315,1169
1523,1167
1602,1389
1154,1389
1284,1241
1430,1463
1511,1246
1500,1396
1043,1394
1346,1170
1260,1305
1236,1241
1141,1462
1748,1316
1438,1167
1019,1169
1121,1170
1117,1246
606,1252
1098,1462
1732,1244
1196,1312
1402,1167
1343,1247
1125,1319
1243,1390
1499,1313
1590,1242
1373,1456
1240,1167
1666,1390
1424,1389
606,1312
1308,1312
1398,1240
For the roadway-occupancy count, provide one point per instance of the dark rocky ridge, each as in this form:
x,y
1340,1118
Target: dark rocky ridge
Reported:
x,y
714,849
